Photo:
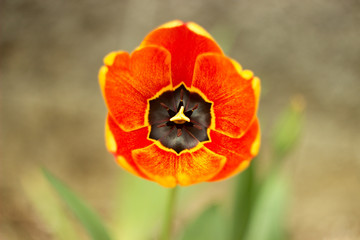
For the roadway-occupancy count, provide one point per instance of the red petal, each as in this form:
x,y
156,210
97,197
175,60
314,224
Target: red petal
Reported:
x,y
157,164
238,151
121,143
185,41
150,67
203,165
167,168
234,92
128,82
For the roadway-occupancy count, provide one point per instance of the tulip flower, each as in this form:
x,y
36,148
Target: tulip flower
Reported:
x,y
179,110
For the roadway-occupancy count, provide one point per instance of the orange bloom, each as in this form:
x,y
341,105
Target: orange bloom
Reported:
x,y
180,111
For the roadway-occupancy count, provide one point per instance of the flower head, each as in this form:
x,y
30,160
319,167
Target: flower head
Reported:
x,y
180,111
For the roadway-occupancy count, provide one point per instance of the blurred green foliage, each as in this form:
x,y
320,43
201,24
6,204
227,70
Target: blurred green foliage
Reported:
x,y
83,212
210,225
268,211
288,128
48,206
138,208
244,197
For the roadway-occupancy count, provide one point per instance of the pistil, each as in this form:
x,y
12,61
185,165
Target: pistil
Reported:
x,y
180,117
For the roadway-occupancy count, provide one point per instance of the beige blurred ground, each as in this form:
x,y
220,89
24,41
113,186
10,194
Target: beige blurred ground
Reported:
x,y
52,112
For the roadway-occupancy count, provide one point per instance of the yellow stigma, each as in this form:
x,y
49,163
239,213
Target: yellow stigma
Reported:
x,y
180,117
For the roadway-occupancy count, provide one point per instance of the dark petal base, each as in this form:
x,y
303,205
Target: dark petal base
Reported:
x,y
179,136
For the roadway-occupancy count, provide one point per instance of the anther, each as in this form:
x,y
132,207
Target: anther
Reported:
x,y
179,132
161,125
197,126
195,107
164,106
181,94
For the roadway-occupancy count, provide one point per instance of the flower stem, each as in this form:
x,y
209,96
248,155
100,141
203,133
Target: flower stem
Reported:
x,y
169,217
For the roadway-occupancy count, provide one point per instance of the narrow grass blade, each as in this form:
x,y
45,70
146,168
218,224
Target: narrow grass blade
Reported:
x,y
89,219
50,212
288,128
268,216
244,197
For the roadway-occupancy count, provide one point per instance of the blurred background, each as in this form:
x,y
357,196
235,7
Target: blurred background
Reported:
x,y
52,111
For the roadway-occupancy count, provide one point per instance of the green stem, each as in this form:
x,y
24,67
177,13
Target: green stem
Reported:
x,y
169,217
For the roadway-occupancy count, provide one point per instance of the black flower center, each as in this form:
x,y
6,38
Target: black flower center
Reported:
x,y
179,119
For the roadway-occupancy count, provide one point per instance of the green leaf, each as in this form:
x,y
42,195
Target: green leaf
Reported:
x,y
50,212
288,128
267,220
138,208
83,212
244,195
140,203
210,225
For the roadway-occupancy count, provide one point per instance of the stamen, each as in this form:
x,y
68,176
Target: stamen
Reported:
x,y
195,107
164,106
179,132
161,125
180,117
181,95
197,126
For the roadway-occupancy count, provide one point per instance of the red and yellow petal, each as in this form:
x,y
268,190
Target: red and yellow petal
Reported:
x,y
157,164
184,41
169,169
151,68
203,165
238,151
128,82
236,95
121,143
